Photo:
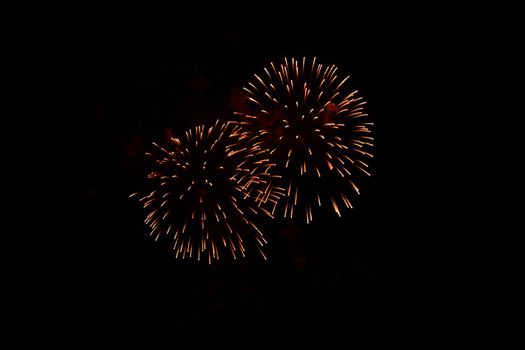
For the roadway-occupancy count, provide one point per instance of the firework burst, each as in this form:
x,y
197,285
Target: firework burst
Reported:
x,y
205,190
315,129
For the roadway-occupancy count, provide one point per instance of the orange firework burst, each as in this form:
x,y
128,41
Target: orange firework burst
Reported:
x,y
315,129
206,189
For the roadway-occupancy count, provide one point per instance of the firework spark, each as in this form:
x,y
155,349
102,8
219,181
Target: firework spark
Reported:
x,y
315,129
205,191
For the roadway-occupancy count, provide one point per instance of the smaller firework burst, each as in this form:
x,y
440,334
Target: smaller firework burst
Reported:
x,y
206,190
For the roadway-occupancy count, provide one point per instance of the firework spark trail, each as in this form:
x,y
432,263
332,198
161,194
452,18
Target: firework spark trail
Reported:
x,y
206,190
316,130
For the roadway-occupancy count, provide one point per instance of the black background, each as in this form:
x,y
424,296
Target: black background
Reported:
x,y
101,83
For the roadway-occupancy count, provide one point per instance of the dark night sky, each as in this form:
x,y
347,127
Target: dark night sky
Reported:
x,y
101,83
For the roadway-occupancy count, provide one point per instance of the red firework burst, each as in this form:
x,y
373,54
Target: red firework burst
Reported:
x,y
206,190
315,129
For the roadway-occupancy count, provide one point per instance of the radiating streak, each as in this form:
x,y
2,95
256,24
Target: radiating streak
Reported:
x,y
336,208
